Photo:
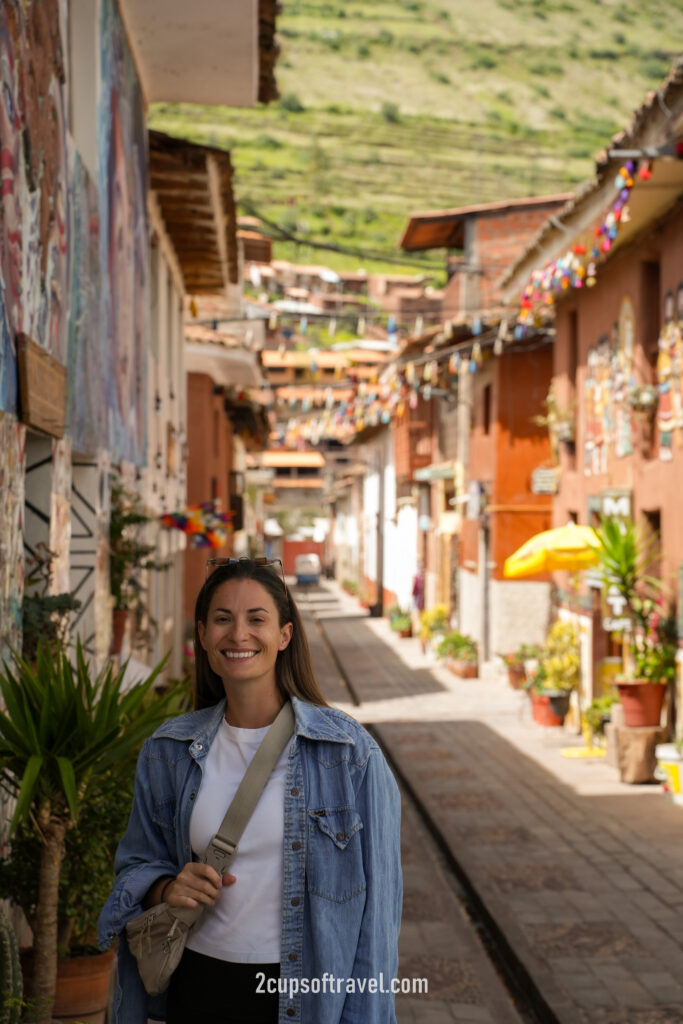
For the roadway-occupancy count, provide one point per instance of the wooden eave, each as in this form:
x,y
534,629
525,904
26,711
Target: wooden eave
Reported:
x,y
193,187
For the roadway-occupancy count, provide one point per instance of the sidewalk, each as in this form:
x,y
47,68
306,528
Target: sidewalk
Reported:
x,y
583,874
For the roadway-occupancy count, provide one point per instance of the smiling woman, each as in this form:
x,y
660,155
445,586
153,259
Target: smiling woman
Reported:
x,y
314,887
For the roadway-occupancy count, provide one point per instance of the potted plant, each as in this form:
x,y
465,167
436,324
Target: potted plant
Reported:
x,y
550,685
433,625
43,615
68,741
649,644
515,662
128,556
597,715
460,653
402,624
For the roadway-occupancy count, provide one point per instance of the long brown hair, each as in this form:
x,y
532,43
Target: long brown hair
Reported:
x,y
293,669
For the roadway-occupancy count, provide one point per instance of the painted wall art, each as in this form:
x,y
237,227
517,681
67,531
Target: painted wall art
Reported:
x,y
608,408
123,239
34,209
88,358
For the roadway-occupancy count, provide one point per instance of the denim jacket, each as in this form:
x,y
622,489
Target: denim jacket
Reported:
x,y
342,887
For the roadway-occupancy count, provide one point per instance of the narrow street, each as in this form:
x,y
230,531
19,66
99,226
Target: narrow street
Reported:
x,y
573,878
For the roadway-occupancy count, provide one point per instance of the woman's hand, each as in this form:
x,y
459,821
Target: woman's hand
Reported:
x,y
195,884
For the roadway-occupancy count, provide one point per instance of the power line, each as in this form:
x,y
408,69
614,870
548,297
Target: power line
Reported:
x,y
283,235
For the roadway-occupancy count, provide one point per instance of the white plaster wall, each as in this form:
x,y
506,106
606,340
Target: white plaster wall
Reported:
x,y
520,613
470,616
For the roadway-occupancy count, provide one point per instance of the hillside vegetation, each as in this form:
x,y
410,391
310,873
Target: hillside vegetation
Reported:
x,y
401,105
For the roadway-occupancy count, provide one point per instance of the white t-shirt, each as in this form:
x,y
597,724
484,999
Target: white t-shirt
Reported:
x,y
244,924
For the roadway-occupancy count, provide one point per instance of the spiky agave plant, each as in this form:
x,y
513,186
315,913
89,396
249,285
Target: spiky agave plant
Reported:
x,y
63,727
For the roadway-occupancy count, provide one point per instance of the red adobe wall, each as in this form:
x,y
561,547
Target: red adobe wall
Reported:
x,y
655,484
209,440
500,237
292,548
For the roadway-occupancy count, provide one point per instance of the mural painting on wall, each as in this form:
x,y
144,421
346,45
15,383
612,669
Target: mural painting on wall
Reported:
x,y
87,354
670,375
609,417
123,238
12,457
34,243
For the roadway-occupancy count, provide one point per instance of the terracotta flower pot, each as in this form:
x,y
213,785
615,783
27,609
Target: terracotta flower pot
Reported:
x,y
516,675
82,986
642,702
541,711
464,669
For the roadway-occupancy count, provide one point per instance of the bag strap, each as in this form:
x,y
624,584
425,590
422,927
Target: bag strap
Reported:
x,y
223,846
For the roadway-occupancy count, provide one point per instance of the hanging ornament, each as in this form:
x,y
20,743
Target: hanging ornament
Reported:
x,y
427,372
400,409
472,366
476,325
453,363
272,322
448,330
427,393
412,401
410,372
645,171
476,353
194,309
498,346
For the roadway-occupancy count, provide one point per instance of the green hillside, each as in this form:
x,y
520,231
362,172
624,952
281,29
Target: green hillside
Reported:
x,y
402,105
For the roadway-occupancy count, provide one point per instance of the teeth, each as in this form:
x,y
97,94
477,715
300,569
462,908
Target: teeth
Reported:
x,y
239,656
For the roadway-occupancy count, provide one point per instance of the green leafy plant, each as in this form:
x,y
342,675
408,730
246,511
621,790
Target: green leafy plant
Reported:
x,y
43,615
598,712
626,555
560,658
64,729
525,652
401,623
128,554
458,646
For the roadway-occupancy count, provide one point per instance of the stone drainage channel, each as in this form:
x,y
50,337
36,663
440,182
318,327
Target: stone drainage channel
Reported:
x,y
529,1004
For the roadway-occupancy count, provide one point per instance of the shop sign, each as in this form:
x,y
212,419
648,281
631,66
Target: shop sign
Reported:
x,y
544,480
614,619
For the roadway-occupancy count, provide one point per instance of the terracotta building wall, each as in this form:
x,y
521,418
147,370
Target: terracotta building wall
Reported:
x,y
209,438
655,483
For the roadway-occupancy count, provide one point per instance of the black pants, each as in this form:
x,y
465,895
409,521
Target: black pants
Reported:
x,y
217,992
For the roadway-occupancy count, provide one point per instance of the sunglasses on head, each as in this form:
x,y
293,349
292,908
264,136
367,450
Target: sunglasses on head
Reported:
x,y
215,563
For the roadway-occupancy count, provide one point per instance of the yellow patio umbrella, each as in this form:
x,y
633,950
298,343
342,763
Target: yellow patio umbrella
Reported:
x,y
571,547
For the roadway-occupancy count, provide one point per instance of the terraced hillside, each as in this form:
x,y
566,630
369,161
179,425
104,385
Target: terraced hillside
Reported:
x,y
400,105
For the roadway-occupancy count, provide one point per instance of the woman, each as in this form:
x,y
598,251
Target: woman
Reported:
x,y
312,904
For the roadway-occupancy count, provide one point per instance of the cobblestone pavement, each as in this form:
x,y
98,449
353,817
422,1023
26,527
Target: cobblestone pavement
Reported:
x,y
437,940
582,874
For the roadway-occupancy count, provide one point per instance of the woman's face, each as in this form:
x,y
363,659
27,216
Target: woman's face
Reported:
x,y
242,635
